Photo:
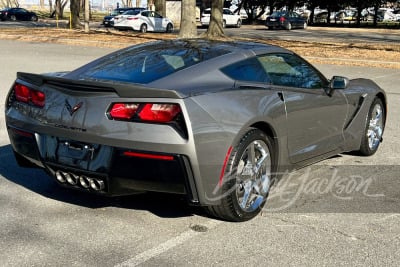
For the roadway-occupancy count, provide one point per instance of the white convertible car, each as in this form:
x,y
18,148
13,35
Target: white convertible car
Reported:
x,y
143,21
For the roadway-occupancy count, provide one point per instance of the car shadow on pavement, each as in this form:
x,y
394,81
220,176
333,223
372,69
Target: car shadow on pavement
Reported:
x,y
38,181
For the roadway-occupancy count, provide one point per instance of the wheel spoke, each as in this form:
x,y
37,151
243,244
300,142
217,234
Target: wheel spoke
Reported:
x,y
375,127
251,154
246,197
253,172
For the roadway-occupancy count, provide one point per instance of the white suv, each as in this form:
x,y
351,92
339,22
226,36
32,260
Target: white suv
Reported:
x,y
229,19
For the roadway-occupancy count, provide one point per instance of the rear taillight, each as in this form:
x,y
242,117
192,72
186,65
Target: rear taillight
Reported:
x,y
28,95
123,111
282,19
159,112
145,112
133,18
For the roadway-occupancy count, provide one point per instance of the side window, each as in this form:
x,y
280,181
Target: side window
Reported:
x,y
247,70
290,70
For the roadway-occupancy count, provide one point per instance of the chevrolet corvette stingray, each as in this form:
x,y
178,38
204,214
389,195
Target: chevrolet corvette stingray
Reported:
x,y
215,121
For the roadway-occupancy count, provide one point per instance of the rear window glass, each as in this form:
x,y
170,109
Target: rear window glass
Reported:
x,y
145,64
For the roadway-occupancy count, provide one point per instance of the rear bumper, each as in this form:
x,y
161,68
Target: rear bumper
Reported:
x,y
120,171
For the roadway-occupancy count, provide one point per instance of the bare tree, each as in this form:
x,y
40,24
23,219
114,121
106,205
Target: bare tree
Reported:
x,y
215,29
75,7
9,3
161,7
188,27
58,8
87,16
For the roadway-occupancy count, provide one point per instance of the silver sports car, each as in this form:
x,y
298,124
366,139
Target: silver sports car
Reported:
x,y
215,121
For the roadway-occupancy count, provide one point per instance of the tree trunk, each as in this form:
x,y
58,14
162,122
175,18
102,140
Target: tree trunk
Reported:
x,y
75,10
51,6
161,7
215,29
59,9
188,27
87,16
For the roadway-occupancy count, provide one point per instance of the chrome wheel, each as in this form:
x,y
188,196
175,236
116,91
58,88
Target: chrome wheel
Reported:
x,y
248,175
253,176
375,127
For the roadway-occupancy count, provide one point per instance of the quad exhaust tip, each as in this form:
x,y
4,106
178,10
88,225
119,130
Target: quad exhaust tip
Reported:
x,y
80,180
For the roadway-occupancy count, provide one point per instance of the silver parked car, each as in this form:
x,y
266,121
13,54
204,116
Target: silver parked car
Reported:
x,y
214,121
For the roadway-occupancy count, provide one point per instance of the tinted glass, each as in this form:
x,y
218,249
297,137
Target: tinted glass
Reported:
x,y
291,70
144,64
247,70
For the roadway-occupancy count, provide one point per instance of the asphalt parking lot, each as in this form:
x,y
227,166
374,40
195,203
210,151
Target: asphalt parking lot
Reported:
x,y
308,223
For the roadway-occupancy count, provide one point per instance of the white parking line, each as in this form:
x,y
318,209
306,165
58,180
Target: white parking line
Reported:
x,y
167,245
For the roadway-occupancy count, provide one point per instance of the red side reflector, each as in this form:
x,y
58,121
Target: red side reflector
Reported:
x,y
221,176
148,156
159,112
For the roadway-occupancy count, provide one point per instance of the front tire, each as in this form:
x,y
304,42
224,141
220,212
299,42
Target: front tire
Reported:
x,y
247,178
169,28
373,132
13,18
239,23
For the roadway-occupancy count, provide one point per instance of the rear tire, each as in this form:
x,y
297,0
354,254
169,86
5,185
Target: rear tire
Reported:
x,y
34,18
305,25
247,178
289,26
13,18
143,28
374,128
224,24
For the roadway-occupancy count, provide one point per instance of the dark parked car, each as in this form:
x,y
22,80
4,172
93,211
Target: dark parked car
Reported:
x,y
108,21
17,14
214,121
286,20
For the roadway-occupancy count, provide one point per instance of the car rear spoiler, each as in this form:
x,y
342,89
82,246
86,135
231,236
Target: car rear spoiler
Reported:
x,y
123,89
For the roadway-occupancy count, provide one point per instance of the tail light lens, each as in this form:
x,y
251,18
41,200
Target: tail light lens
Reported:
x,y
28,95
146,112
161,113
122,111
282,19
132,18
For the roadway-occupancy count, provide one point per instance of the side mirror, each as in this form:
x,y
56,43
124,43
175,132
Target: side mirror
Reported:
x,y
337,83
